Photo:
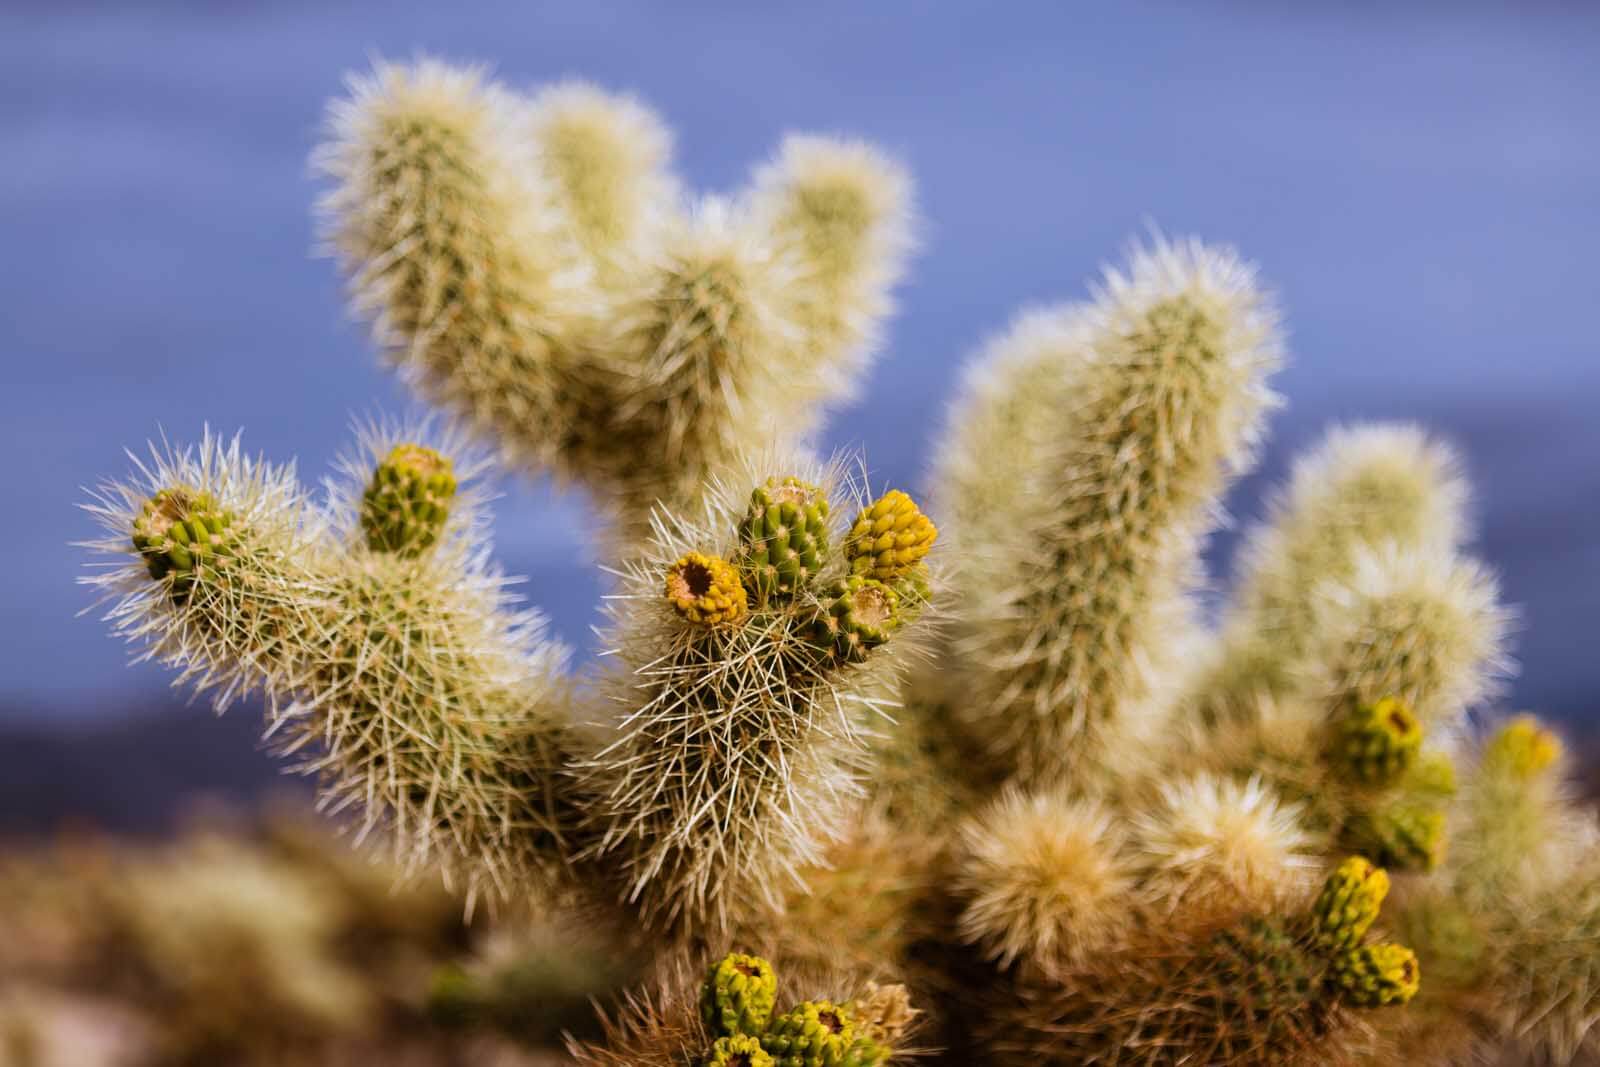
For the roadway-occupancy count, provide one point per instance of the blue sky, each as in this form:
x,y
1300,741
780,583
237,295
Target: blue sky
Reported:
x,y
1420,182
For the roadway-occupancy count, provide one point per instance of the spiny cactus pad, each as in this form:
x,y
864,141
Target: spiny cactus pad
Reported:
x,y
1348,904
179,531
785,537
738,995
889,538
1523,747
1406,836
1372,976
861,614
407,502
706,590
1374,744
738,1050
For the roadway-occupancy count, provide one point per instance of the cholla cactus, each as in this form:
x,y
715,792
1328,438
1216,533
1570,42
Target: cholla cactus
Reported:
x,y
732,764
1252,988
994,746
1362,487
1211,839
1374,744
1045,879
1069,592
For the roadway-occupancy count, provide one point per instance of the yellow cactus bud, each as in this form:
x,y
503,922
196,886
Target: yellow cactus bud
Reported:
x,y
1348,904
1374,744
889,538
738,1050
1372,976
706,590
1523,747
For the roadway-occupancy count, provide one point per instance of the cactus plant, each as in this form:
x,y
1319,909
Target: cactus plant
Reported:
x,y
1003,752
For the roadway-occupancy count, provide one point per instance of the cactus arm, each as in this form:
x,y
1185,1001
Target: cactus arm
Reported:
x,y
454,248
607,160
1067,607
1361,487
400,674
839,213
734,755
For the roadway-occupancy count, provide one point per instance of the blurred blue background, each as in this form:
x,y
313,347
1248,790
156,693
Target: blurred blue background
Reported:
x,y
1420,182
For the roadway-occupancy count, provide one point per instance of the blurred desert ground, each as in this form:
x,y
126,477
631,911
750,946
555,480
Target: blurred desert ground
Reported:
x,y
1417,179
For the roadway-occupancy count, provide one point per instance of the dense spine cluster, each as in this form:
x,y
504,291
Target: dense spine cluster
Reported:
x,y
732,763
993,750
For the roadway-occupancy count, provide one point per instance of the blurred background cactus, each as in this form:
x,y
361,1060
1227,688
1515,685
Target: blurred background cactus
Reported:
x,y
984,763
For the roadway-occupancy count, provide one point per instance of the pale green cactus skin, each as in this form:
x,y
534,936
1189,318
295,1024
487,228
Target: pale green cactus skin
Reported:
x,y
1404,835
1146,802
859,615
813,1034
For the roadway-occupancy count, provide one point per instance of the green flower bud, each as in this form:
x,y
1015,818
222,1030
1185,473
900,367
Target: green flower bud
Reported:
x,y
738,995
407,502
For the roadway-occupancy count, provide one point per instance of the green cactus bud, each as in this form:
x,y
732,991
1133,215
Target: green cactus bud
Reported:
x,y
861,615
1433,775
889,538
738,1050
1374,744
181,532
1372,976
706,590
1405,836
1523,748
407,502
1348,904
738,995
785,537
817,1033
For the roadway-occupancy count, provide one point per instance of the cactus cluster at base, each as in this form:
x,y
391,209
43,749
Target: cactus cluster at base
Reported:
x,y
737,1001
1256,988
1006,760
